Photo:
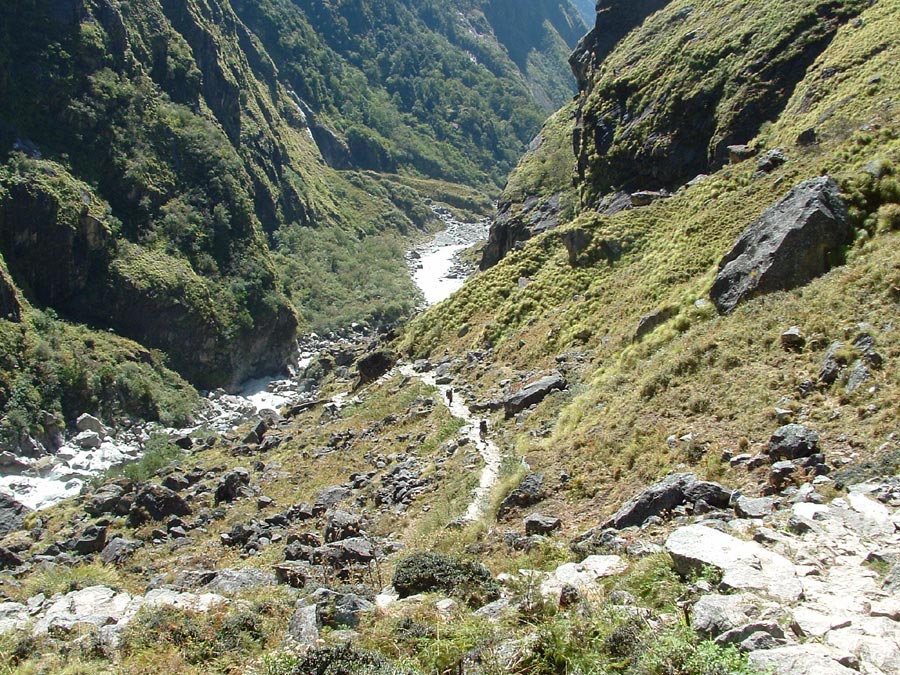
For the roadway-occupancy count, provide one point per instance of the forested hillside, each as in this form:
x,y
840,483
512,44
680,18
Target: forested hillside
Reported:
x,y
189,175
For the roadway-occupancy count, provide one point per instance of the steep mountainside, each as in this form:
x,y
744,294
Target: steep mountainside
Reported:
x,y
172,176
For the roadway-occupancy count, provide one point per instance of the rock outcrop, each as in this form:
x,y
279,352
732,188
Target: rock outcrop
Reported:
x,y
791,243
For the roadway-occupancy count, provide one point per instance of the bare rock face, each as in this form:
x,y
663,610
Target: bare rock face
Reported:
x,y
790,244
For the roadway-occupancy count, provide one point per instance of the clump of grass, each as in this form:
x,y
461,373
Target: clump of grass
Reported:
x,y
159,452
65,579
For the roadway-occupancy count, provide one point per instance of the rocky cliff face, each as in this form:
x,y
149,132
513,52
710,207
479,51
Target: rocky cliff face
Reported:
x,y
709,77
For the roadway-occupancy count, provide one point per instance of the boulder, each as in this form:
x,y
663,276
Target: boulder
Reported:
x,y
754,507
338,610
303,628
745,565
231,485
581,576
12,513
342,525
714,615
807,659
540,524
155,502
793,441
87,422
660,497
529,492
375,364
533,393
92,540
8,559
771,160
88,440
233,581
790,244
118,550
792,340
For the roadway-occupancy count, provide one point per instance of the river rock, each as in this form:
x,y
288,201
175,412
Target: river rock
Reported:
x,y
533,393
745,565
790,244
87,422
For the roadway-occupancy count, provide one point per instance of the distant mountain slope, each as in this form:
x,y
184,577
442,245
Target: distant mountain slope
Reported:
x,y
187,174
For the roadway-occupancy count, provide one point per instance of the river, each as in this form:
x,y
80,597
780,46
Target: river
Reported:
x,y
41,482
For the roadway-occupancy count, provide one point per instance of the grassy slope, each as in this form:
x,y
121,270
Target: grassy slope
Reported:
x,y
718,377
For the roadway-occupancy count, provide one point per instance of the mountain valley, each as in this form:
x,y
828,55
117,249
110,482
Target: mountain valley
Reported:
x,y
656,432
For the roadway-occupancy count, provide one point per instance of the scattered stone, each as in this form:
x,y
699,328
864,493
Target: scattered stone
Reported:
x,y
760,507
792,340
92,540
231,485
741,633
12,514
155,502
118,550
650,322
714,615
663,496
790,244
303,628
807,659
8,559
793,441
540,524
833,364
342,525
375,364
740,153
176,481
88,440
647,197
859,375
581,576
771,160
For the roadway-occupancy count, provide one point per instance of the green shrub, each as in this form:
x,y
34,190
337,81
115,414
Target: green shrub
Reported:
x,y
345,660
428,572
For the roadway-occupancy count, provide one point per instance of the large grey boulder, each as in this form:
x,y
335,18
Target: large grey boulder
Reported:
x,y
793,441
12,514
533,393
808,659
790,244
745,565
662,496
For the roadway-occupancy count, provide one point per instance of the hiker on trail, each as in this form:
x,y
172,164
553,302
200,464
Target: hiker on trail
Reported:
x,y
449,396
482,428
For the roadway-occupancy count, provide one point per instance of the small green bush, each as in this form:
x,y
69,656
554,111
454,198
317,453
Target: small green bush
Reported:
x,y
427,572
345,660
